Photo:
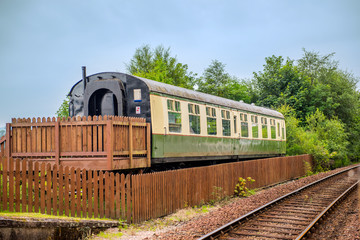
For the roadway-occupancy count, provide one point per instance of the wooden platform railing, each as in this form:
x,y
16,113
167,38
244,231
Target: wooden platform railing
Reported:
x,y
101,143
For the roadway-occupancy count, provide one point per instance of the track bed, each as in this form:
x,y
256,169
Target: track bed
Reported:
x,y
290,216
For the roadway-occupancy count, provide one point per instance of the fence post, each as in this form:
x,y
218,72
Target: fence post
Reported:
x,y
129,200
148,146
109,144
5,190
8,141
57,142
130,143
2,148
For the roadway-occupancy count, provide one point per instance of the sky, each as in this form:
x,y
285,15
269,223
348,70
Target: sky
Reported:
x,y
43,43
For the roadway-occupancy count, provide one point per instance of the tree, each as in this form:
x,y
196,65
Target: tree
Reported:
x,y
314,65
216,81
281,83
318,91
354,133
314,83
63,110
159,65
333,91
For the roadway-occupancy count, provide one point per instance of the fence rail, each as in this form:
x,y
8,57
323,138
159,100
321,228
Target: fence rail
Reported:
x,y
99,143
28,186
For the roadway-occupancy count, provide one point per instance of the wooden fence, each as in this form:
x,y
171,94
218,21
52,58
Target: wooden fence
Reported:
x,y
162,193
98,143
64,191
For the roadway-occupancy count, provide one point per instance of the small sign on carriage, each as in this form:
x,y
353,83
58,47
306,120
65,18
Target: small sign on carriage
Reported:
x,y
138,110
137,95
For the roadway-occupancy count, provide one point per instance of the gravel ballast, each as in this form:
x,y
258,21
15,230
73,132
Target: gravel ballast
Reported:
x,y
203,223
199,226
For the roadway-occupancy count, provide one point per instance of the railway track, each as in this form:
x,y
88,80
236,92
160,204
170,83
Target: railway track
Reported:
x,y
294,215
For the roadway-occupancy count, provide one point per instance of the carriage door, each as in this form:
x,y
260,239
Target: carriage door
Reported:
x,y
103,102
103,98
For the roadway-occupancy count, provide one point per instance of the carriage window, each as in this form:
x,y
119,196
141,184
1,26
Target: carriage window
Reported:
x,y
283,130
211,121
177,106
278,126
272,128
235,130
174,115
170,104
194,118
244,125
264,127
191,108
225,115
213,112
197,109
255,128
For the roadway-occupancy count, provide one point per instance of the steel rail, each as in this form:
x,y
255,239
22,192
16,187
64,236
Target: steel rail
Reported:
x,y
231,225
326,210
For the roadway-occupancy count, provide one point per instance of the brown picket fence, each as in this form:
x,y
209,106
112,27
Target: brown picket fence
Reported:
x,y
63,191
28,186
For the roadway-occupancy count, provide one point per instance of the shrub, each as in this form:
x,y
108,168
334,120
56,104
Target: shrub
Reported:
x,y
308,169
325,139
241,190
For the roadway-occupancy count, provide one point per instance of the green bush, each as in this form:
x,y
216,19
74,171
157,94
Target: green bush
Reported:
x,y
325,139
241,190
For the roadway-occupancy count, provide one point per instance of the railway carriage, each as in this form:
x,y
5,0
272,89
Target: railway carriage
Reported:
x,y
186,125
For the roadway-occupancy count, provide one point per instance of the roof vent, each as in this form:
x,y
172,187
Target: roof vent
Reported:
x,y
241,101
252,104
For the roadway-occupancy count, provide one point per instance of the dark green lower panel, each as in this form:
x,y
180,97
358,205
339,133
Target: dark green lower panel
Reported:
x,y
192,146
